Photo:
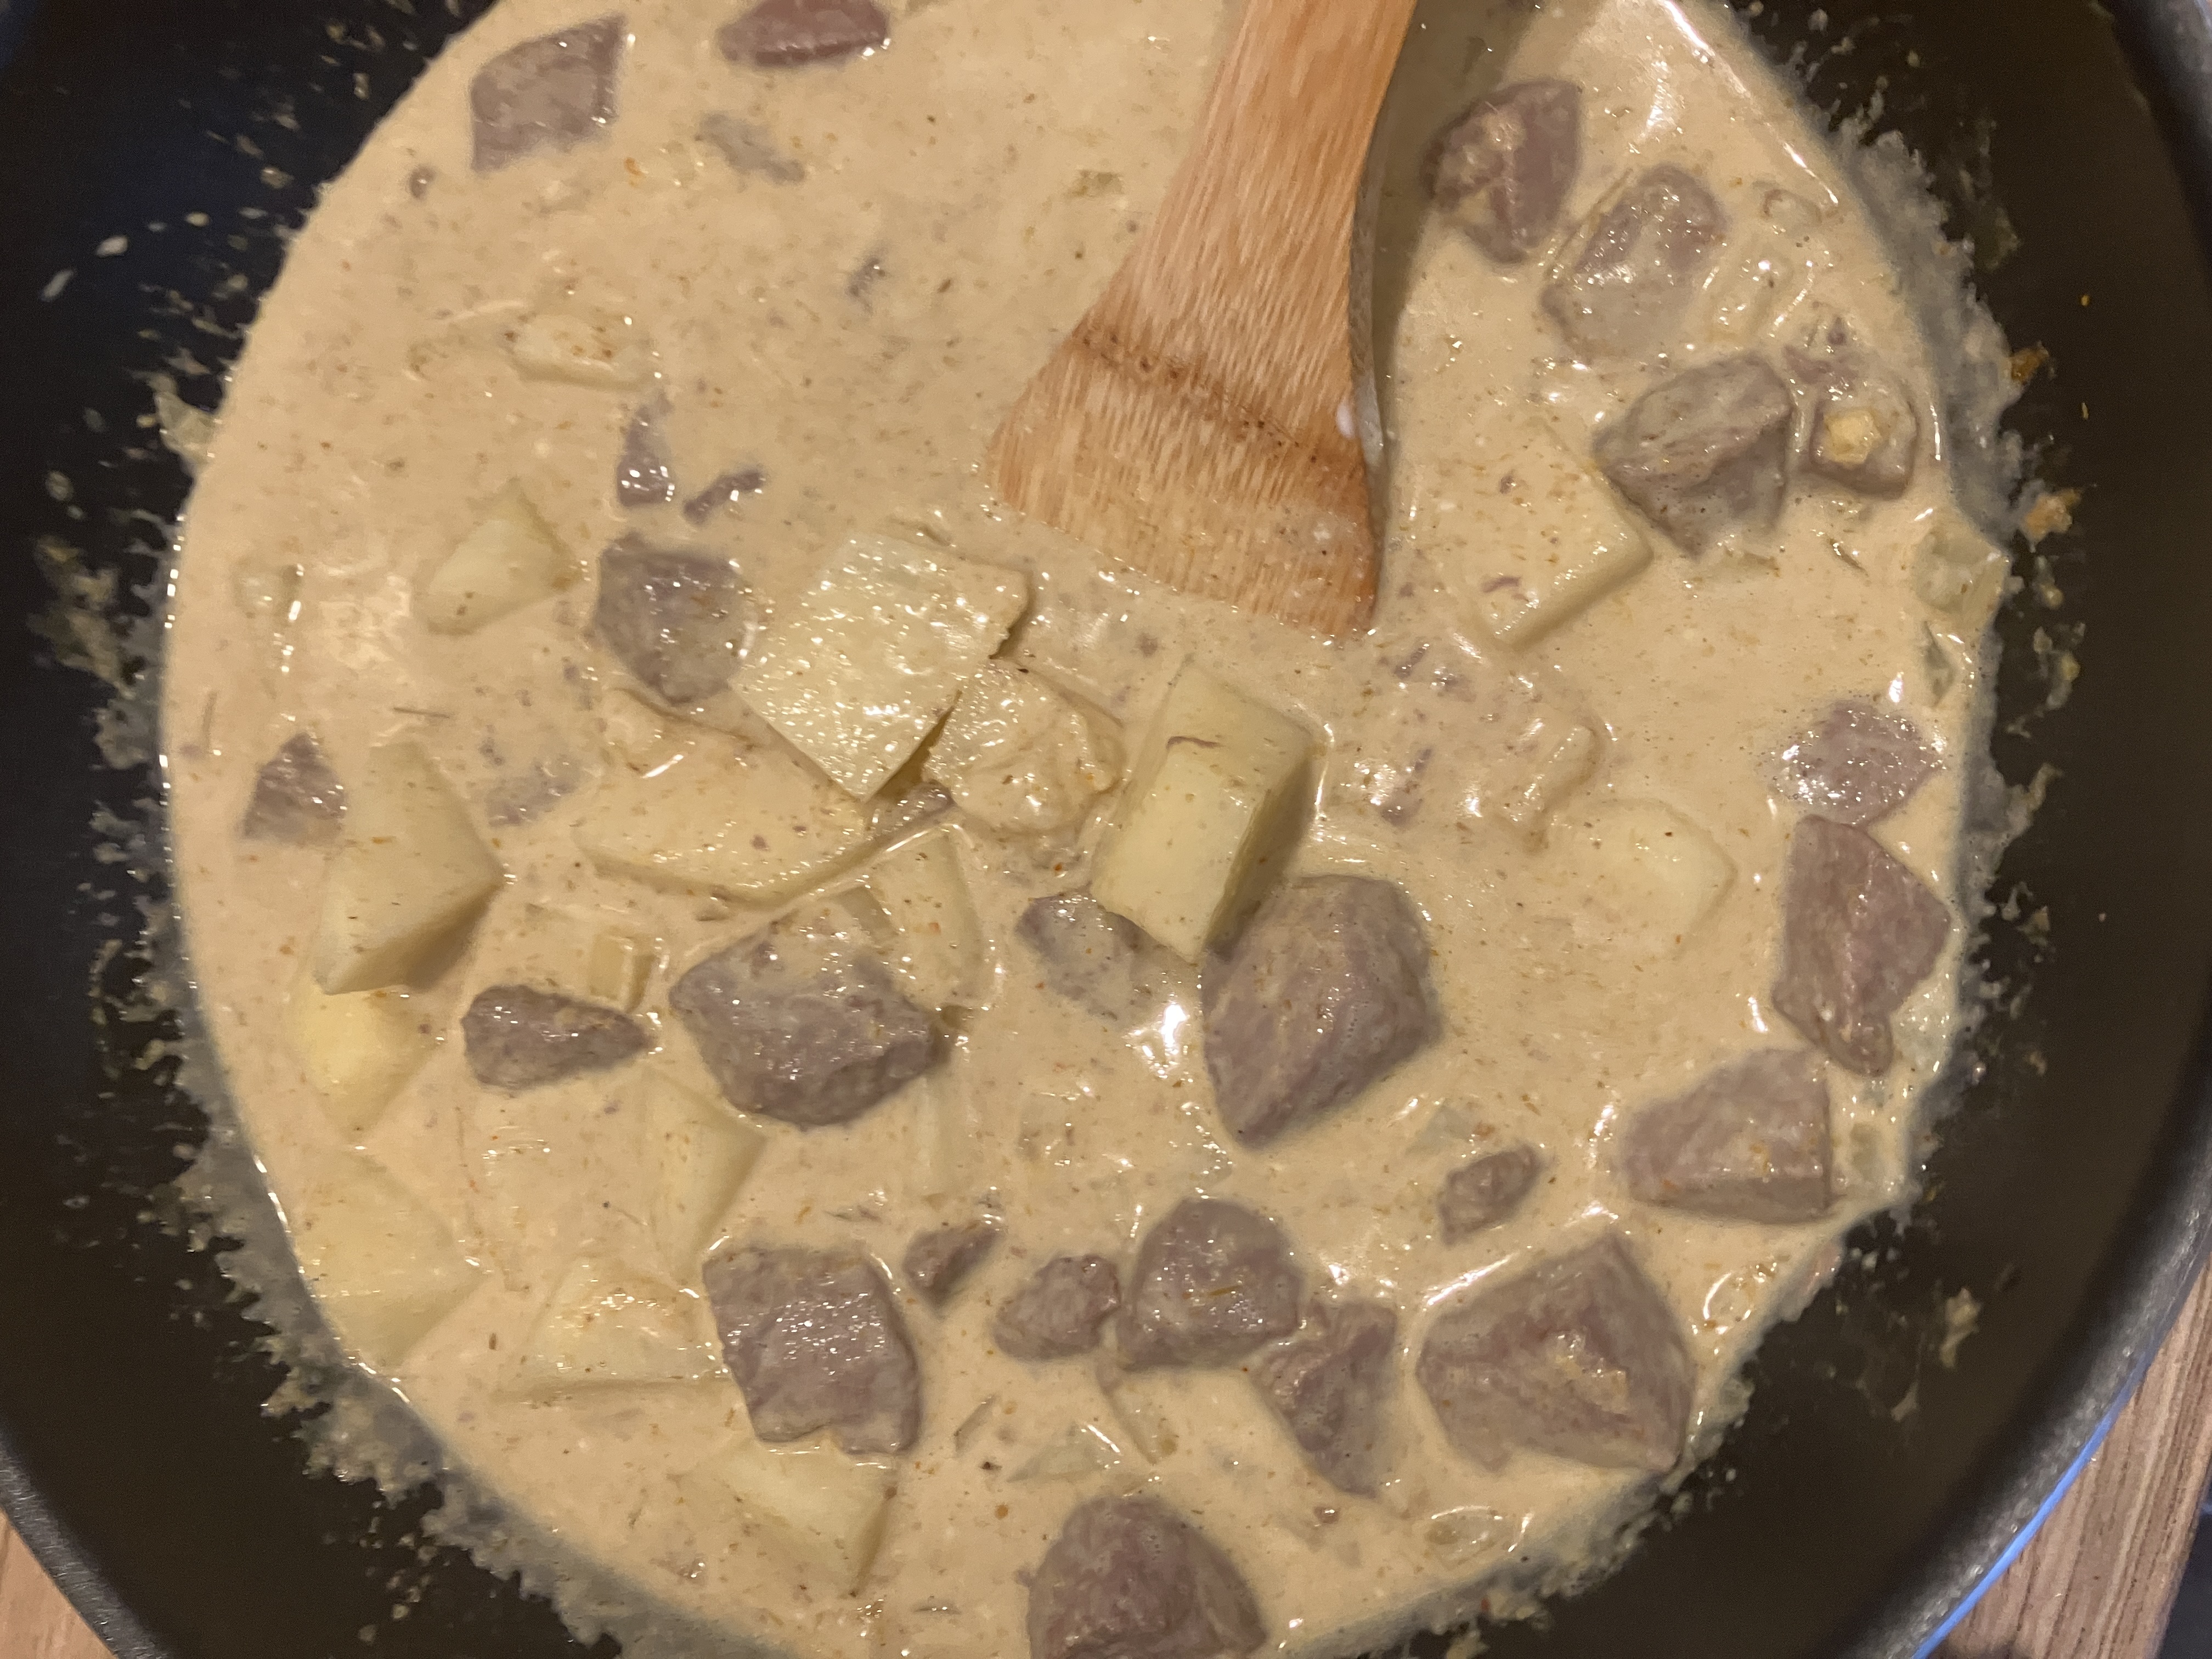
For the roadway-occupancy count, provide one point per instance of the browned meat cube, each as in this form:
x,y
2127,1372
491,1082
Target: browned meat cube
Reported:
x,y
1059,1311
1501,171
1580,1357
1213,1282
1702,455
1858,764
1330,1385
1095,959
673,618
1484,1191
1859,931
1748,1142
806,1035
644,474
296,797
937,1261
815,1340
1864,431
1324,991
779,34
727,489
1641,263
547,94
521,1038
1129,1578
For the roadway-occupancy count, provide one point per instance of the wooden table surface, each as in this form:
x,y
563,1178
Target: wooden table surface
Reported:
x,y
2096,1582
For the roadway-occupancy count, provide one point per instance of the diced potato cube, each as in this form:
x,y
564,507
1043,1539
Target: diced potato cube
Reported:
x,y
383,1263
1075,1455
1555,757
582,955
410,873
814,1503
758,826
939,950
1545,539
1142,1415
359,1050
943,1134
857,671
1209,788
608,1325
619,966
1647,873
1020,754
508,561
1957,572
607,352
697,1153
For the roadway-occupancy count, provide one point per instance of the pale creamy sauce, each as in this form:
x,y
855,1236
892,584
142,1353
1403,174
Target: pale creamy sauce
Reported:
x,y
855,335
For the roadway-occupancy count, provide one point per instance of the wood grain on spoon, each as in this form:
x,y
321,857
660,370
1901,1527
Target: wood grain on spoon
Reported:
x,y
1202,421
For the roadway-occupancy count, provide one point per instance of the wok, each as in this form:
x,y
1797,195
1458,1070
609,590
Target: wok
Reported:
x,y
1869,1489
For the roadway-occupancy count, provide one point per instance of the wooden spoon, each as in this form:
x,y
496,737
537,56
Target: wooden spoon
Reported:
x,y
1202,421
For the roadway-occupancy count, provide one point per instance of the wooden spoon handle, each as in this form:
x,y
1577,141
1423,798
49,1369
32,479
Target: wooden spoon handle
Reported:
x,y
1248,259
1201,422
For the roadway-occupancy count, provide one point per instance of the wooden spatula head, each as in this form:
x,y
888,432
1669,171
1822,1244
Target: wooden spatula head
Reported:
x,y
1202,422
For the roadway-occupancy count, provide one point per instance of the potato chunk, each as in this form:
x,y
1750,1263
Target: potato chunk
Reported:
x,y
511,559
359,1050
1217,776
409,874
609,1325
756,824
607,352
383,1263
1022,755
698,1153
857,671
937,952
810,1502
1553,542
1650,874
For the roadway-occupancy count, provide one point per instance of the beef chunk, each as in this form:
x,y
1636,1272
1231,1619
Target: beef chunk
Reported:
x,y
1059,1311
644,474
1213,1282
808,1035
546,94
1501,171
296,797
1129,1578
727,489
815,1340
1640,264
1702,455
521,1038
673,618
1580,1357
1095,959
938,1261
1484,1191
1859,764
779,33
1749,1142
1330,1384
1864,432
1859,931
1324,991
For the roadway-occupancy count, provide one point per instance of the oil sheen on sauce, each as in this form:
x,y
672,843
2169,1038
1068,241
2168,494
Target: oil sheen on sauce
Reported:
x,y
809,291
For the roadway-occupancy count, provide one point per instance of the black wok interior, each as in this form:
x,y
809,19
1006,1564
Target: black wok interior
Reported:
x,y
2069,1192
